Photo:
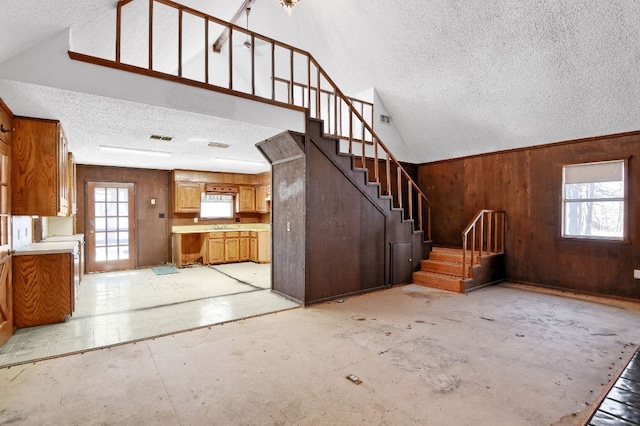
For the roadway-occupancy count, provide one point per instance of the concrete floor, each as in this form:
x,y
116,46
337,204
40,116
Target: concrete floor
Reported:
x,y
503,355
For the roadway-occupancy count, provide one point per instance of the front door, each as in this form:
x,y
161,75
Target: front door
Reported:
x,y
110,226
6,295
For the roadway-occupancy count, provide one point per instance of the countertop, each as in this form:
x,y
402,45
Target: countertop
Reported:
x,y
60,238
198,229
47,248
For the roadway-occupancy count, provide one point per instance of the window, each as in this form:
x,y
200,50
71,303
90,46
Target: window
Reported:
x,y
593,200
214,206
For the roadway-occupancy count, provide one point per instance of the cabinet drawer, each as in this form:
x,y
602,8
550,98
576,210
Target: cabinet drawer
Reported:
x,y
232,234
253,234
244,233
216,234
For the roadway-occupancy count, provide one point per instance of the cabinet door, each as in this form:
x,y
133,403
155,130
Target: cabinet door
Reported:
x,y
216,250
244,248
253,249
246,199
261,199
231,249
63,173
264,247
35,168
187,197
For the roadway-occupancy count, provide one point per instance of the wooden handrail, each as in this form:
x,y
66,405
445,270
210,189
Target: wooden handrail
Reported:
x,y
332,113
484,243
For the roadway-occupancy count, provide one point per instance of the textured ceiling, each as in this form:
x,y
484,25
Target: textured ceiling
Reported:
x,y
458,77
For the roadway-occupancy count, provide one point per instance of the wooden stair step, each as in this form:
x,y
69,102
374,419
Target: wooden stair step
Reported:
x,y
451,255
439,281
444,267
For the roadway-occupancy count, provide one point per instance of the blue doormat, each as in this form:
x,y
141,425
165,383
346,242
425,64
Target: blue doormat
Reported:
x,y
165,269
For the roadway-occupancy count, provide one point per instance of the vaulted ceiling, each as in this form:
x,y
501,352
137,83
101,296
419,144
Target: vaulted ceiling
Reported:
x,y
457,77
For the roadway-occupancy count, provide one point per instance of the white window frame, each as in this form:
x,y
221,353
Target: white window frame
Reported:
x,y
582,179
226,199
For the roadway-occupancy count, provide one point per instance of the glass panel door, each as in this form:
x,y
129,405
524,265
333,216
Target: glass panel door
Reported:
x,y
110,226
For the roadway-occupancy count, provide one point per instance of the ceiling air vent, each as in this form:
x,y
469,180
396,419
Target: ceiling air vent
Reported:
x,y
385,119
218,145
161,138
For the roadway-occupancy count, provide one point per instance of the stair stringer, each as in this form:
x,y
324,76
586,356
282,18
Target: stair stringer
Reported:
x,y
397,228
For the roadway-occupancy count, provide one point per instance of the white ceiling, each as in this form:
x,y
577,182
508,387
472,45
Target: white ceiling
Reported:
x,y
458,77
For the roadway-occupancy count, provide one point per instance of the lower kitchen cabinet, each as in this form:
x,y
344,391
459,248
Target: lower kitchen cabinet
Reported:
x,y
232,247
216,252
43,288
244,246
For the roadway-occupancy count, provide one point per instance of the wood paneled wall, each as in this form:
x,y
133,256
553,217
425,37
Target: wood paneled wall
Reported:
x,y
153,231
527,185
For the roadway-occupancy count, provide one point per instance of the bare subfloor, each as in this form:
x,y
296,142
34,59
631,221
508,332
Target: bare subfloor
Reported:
x,y
503,355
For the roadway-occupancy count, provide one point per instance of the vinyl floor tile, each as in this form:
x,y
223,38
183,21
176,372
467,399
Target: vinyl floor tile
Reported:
x,y
123,306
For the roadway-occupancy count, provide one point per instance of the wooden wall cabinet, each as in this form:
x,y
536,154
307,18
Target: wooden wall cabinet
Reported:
x,y
72,191
246,199
186,197
216,252
262,206
39,168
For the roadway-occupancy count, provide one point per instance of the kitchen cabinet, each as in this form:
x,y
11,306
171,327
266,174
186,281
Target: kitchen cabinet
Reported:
x,y
39,168
190,248
246,199
186,197
244,246
260,246
262,206
232,247
44,287
71,184
216,252
253,247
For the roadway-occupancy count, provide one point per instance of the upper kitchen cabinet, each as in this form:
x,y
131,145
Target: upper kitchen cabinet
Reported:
x,y
186,197
246,199
262,198
71,183
39,168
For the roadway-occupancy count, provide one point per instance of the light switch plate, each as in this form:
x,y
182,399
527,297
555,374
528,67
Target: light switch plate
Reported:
x,y
636,274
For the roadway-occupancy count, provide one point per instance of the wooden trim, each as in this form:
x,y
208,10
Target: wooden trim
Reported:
x,y
168,77
4,106
180,42
536,147
150,34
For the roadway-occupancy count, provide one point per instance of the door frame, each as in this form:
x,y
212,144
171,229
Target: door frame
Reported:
x,y
117,265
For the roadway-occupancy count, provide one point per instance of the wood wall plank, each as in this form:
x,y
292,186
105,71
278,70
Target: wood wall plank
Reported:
x,y
527,183
153,232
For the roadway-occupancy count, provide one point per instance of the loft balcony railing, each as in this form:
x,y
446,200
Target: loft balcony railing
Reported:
x,y
168,40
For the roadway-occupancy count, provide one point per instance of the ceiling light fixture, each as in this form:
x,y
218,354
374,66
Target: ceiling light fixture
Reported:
x,y
289,4
133,151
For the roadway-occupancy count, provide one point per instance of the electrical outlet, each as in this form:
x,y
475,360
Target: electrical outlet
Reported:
x,y
636,274
195,220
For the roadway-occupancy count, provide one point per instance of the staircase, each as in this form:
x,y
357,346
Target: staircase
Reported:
x,y
443,270
480,262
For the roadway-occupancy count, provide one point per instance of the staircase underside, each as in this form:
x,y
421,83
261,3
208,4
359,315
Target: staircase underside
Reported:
x,y
443,270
